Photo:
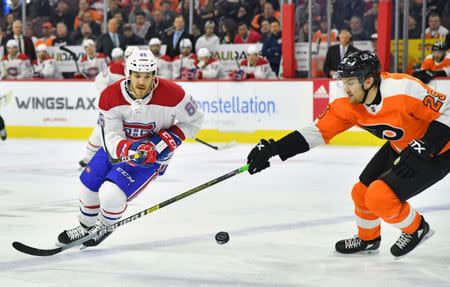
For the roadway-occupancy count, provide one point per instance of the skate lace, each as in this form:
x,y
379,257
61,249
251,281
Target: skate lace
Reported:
x,y
352,242
76,233
95,229
403,240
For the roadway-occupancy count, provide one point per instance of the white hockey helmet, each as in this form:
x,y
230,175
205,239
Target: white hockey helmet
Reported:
x,y
203,52
41,48
185,43
154,41
116,53
140,61
252,49
88,43
129,50
12,43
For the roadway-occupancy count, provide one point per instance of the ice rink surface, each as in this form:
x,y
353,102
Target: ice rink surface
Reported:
x,y
283,224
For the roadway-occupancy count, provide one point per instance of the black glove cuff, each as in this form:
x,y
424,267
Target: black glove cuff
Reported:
x,y
441,73
291,145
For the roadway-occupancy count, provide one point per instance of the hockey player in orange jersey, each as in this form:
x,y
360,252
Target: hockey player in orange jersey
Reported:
x,y
413,118
437,64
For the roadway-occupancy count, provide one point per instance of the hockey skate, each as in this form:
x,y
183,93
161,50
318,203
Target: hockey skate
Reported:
x,y
408,241
97,239
71,235
357,246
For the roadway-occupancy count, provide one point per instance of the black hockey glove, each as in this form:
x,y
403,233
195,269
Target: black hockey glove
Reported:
x,y
424,75
259,156
417,150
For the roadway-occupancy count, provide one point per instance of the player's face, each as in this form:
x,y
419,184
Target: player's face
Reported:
x,y
90,50
155,49
186,51
252,58
141,83
204,59
13,51
41,54
353,89
438,55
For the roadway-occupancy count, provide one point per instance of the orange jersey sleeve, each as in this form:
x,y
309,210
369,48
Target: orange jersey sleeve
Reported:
x,y
430,64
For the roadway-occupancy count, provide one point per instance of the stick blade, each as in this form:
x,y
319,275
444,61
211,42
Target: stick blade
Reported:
x,y
227,145
35,251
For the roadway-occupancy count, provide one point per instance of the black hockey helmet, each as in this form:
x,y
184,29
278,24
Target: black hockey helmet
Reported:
x,y
360,64
439,46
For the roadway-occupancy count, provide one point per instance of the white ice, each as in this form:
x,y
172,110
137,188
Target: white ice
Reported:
x,y
283,224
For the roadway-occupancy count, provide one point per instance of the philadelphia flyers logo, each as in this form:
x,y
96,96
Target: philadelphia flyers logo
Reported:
x,y
385,132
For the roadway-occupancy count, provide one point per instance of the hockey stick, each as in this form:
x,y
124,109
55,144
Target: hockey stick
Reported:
x,y
74,57
49,252
221,147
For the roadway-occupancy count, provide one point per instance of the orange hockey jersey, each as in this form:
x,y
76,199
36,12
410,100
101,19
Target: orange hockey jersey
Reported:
x,y
430,64
406,109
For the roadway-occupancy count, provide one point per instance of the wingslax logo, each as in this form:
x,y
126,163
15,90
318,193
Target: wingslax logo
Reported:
x,y
55,103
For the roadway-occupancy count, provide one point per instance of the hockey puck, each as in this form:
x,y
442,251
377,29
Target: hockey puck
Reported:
x,y
222,237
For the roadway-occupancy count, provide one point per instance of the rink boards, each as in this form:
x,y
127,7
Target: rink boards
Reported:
x,y
242,111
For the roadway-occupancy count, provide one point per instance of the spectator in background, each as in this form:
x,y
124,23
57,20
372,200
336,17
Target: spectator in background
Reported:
x,y
413,29
303,32
83,7
62,13
29,33
209,67
7,25
253,67
139,6
437,64
321,35
184,11
129,38
265,30
115,8
164,62
47,35
243,15
184,65
226,33
301,12
140,27
271,48
357,29
95,27
110,40
25,45
92,63
119,17
206,12
435,30
15,8
172,38
209,39
268,14
336,53
62,37
168,15
246,36
2,42
38,8
15,65
343,10
157,28
84,33
44,66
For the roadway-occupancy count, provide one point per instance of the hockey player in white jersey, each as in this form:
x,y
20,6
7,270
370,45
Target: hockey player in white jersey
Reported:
x,y
184,66
140,113
45,66
14,64
254,67
209,67
164,61
93,63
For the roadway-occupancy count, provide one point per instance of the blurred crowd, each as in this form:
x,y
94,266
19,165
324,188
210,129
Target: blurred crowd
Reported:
x,y
164,23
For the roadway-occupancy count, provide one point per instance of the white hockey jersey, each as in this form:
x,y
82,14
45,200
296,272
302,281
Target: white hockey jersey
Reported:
x,y
18,67
91,67
166,107
261,69
115,72
164,67
47,68
181,63
211,70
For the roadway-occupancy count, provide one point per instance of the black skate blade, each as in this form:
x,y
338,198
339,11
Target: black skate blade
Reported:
x,y
427,236
35,251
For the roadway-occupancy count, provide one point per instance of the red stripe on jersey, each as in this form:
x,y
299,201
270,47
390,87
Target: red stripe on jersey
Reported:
x,y
90,206
115,213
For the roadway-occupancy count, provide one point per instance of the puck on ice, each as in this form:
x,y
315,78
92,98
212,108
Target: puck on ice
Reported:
x,y
222,237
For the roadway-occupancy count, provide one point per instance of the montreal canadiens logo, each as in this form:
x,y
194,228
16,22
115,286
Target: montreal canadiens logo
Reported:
x,y
137,131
